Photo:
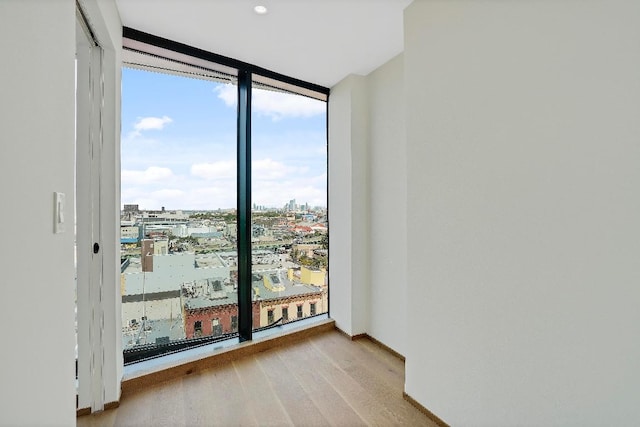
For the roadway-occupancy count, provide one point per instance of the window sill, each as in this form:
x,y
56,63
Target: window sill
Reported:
x,y
147,373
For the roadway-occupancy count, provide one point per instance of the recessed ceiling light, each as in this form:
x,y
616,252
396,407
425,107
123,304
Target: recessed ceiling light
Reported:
x,y
260,10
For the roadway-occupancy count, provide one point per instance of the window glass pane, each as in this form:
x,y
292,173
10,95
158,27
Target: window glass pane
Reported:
x,y
178,218
289,197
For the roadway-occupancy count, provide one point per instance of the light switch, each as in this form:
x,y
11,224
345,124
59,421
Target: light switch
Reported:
x,y
58,212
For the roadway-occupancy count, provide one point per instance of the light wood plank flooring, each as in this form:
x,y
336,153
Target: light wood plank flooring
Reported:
x,y
326,379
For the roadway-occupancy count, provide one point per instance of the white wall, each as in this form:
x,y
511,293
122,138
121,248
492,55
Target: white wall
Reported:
x,y
37,41
367,205
340,196
348,205
523,179
388,200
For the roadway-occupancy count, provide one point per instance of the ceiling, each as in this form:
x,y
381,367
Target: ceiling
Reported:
x,y
319,41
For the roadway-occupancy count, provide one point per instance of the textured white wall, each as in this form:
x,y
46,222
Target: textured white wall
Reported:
x,y
37,41
340,300
523,178
360,197
37,101
348,205
367,205
388,202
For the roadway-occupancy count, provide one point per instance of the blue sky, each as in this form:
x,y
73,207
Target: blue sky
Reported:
x,y
179,144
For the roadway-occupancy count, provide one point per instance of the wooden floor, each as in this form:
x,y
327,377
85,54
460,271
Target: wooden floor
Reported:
x,y
323,380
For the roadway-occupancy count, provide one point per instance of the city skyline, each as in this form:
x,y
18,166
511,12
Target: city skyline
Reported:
x,y
179,145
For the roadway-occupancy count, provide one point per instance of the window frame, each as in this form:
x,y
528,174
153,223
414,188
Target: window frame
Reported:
x,y
214,64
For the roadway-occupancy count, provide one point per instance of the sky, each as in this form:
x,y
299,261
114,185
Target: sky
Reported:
x,y
179,145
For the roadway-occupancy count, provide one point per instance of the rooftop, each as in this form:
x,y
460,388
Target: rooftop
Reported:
x,y
279,278
160,328
204,301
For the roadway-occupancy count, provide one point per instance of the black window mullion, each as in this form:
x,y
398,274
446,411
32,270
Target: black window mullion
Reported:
x,y
244,206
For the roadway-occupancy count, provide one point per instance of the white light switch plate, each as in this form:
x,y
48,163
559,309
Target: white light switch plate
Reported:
x,y
58,212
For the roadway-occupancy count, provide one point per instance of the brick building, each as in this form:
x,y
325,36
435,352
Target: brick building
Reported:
x,y
203,316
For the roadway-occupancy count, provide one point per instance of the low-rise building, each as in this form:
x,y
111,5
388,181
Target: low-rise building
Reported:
x,y
213,314
310,276
152,300
130,234
283,298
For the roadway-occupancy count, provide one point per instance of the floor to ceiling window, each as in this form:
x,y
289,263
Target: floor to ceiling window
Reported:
x,y
178,225
289,231
224,199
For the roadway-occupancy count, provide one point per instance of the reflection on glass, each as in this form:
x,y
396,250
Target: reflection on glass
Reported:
x,y
289,216
178,219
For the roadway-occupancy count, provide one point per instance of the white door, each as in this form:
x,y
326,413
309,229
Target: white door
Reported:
x,y
89,256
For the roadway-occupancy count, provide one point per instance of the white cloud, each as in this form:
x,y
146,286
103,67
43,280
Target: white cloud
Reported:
x,y
221,193
228,93
193,195
263,169
168,194
216,170
320,180
150,175
277,193
149,123
277,105
268,169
